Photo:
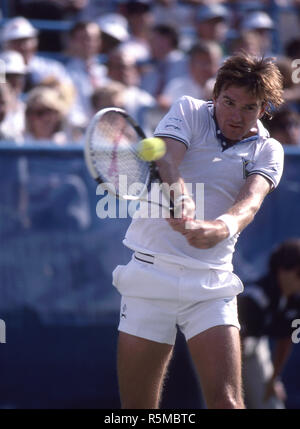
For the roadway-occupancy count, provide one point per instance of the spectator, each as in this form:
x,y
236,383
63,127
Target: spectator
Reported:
x,y
19,35
266,310
45,114
204,61
84,67
212,23
167,61
5,99
110,95
114,29
54,10
285,126
122,67
15,69
170,11
140,20
247,42
73,128
292,49
262,25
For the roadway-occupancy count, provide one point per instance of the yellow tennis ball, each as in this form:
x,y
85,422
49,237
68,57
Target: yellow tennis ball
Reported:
x,y
151,149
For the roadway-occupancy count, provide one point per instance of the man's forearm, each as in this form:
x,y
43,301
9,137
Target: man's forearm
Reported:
x,y
248,202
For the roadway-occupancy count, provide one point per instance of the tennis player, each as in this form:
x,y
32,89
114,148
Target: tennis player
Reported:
x,y
182,278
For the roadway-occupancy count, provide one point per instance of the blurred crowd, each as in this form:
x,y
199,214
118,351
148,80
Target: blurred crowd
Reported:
x,y
140,55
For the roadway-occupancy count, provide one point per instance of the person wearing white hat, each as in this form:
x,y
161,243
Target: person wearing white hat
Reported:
x,y
19,35
114,28
5,100
15,72
212,22
261,24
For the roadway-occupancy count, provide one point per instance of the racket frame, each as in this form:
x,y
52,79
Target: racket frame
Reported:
x,y
153,173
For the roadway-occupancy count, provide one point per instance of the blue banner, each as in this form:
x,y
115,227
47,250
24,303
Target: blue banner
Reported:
x,y
56,297
56,255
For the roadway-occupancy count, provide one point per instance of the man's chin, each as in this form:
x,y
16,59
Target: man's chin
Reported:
x,y
234,136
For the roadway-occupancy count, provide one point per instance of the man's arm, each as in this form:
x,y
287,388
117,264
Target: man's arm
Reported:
x,y
249,200
206,234
168,167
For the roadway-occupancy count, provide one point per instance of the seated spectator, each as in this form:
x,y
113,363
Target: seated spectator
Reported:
x,y
285,126
168,62
74,123
54,10
247,42
292,49
110,95
204,61
170,11
84,67
261,24
19,35
114,29
266,310
140,21
122,67
16,70
211,23
45,115
6,132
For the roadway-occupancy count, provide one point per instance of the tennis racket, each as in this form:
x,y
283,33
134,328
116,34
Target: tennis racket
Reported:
x,y
111,153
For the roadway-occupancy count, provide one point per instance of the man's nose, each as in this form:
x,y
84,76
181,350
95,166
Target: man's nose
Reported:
x,y
236,116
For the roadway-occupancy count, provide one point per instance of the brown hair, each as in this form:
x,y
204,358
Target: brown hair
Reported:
x,y
286,256
260,76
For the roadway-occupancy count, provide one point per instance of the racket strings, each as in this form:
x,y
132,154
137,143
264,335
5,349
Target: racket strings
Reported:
x,y
113,142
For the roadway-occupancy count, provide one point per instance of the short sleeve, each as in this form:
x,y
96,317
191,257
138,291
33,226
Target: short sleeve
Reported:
x,y
269,162
179,122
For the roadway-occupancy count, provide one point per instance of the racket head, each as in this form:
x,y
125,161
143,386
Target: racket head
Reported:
x,y
110,152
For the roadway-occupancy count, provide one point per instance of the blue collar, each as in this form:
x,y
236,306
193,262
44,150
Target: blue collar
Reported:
x,y
224,141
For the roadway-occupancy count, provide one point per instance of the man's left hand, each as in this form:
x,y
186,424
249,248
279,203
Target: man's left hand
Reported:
x,y
200,234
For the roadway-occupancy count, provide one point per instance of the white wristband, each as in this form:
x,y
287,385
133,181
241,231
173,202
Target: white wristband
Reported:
x,y
181,198
231,224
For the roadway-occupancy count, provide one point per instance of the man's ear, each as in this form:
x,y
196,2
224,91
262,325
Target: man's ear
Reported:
x,y
263,110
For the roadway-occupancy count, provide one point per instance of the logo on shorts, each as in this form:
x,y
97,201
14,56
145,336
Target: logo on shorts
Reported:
x,y
123,312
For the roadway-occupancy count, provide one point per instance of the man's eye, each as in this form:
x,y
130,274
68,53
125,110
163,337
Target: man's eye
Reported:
x,y
228,102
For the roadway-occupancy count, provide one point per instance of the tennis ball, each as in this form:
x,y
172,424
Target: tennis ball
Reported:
x,y
151,149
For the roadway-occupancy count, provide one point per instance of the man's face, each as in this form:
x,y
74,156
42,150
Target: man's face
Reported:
x,y
86,42
27,47
122,68
212,29
289,281
237,111
203,67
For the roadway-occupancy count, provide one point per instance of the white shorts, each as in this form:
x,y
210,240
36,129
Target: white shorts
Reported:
x,y
159,297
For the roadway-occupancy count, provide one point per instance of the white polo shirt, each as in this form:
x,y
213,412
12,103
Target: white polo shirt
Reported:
x,y
223,173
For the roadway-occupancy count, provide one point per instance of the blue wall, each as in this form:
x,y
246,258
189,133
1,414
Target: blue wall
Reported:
x,y
56,298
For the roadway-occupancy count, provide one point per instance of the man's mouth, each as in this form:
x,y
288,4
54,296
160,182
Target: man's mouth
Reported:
x,y
235,126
